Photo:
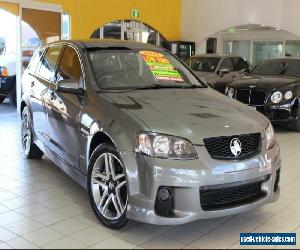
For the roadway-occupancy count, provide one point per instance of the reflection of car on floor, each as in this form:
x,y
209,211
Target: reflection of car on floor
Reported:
x,y
147,139
273,88
217,70
8,78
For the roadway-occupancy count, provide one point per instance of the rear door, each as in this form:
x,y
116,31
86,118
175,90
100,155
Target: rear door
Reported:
x,y
65,109
39,83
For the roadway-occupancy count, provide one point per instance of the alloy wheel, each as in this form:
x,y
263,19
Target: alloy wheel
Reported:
x,y
109,187
26,131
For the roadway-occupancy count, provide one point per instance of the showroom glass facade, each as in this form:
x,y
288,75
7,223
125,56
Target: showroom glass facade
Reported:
x,y
241,48
130,30
257,51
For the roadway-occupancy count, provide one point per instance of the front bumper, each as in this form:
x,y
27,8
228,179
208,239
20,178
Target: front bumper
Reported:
x,y
146,175
283,114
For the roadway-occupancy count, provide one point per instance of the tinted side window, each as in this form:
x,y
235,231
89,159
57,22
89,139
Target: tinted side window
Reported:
x,y
239,64
48,64
227,64
69,68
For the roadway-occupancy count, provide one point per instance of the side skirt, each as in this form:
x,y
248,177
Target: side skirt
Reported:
x,y
71,171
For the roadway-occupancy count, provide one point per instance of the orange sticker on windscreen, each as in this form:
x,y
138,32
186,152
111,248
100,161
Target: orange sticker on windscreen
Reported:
x,y
160,66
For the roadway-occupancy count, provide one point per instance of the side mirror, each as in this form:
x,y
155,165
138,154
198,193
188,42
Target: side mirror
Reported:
x,y
69,86
223,72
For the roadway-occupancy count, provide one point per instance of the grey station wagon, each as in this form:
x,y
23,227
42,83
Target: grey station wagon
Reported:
x,y
149,142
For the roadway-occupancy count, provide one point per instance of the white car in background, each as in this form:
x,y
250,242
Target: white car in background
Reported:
x,y
8,78
8,69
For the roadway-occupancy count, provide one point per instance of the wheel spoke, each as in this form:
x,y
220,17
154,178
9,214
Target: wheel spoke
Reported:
x,y
103,198
25,141
111,166
101,184
118,177
101,176
120,185
119,200
103,209
107,168
115,202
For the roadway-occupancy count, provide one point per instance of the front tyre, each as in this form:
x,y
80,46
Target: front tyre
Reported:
x,y
31,151
107,186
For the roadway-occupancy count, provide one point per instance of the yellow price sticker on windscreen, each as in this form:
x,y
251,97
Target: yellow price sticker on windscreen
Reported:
x,y
160,66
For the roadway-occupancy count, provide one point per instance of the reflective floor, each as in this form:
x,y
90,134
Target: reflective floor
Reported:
x,y
41,207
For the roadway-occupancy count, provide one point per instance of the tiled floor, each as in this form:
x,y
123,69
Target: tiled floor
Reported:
x,y
41,207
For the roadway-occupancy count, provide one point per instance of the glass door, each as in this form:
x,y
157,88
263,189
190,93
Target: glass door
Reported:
x,y
239,48
266,50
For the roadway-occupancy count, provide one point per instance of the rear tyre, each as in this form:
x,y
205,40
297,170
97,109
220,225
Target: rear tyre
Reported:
x,y
107,186
2,98
31,151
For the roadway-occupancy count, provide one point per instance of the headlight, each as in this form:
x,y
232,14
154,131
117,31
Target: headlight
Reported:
x,y
288,95
165,146
277,97
270,136
231,92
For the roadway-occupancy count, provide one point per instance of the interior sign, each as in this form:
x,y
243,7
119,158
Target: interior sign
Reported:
x,y
160,66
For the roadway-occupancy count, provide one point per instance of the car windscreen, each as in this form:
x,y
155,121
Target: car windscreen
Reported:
x,y
204,64
133,69
278,67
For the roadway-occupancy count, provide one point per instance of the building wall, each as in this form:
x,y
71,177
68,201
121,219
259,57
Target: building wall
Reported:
x,y
10,7
88,15
202,18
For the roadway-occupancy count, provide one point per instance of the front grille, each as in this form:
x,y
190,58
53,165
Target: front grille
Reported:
x,y
251,97
243,96
219,147
231,195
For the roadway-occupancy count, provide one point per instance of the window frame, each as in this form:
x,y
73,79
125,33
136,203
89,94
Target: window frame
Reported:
x,y
46,48
83,83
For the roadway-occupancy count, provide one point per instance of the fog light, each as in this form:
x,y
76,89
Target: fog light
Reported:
x,y
164,202
163,194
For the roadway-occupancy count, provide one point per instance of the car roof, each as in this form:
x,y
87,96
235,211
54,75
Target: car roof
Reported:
x,y
214,55
108,43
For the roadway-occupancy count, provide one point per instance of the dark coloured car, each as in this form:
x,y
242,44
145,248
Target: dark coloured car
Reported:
x,y
217,70
273,88
149,141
